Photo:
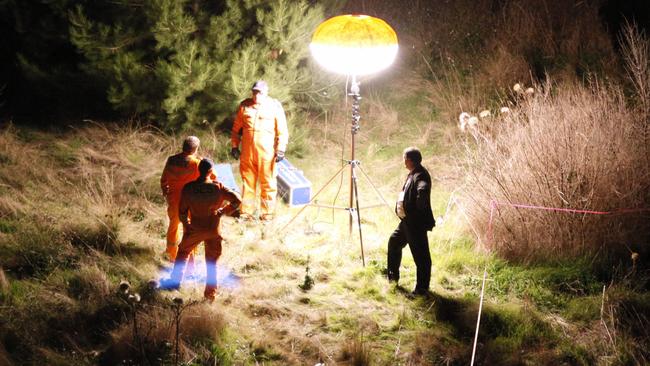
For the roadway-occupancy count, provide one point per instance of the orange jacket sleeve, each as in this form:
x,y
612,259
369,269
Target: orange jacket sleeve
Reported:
x,y
164,179
184,208
233,198
237,126
281,130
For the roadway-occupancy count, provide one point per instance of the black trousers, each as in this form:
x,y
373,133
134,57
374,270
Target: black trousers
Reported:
x,y
419,244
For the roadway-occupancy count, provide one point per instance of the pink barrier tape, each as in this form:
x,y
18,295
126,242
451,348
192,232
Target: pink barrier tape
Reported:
x,y
569,210
495,205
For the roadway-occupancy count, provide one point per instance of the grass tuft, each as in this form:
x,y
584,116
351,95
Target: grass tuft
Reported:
x,y
356,351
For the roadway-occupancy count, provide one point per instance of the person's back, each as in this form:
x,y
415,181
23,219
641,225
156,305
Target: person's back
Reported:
x,y
200,209
180,169
203,199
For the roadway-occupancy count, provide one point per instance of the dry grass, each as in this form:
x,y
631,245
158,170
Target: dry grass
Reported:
x,y
636,51
270,319
4,283
203,323
4,357
156,339
356,352
91,284
103,201
106,183
571,147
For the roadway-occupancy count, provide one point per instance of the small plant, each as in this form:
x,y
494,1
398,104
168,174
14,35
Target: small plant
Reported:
x,y
356,351
133,300
308,283
178,306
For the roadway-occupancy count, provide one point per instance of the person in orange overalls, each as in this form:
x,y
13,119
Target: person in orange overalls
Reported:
x,y
264,136
200,211
180,169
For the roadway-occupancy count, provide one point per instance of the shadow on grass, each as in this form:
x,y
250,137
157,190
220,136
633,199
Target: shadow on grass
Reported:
x,y
508,334
104,238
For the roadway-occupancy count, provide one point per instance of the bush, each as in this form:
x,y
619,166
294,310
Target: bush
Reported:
x,y
181,63
564,147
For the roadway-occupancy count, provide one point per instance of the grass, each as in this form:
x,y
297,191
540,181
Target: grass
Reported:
x,y
80,212
271,317
274,315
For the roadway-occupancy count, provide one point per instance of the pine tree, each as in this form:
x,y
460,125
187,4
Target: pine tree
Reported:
x,y
181,62
39,77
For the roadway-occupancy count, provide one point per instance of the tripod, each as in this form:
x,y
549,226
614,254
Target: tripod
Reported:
x,y
353,206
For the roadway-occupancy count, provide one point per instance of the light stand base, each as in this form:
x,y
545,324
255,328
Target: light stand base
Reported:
x,y
353,207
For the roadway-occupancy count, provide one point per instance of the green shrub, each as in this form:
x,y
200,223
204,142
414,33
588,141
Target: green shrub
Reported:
x,y
181,63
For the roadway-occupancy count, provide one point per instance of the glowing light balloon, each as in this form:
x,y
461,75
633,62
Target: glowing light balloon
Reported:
x,y
354,44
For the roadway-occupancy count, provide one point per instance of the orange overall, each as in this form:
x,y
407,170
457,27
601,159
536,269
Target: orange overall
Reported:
x,y
264,132
180,169
200,210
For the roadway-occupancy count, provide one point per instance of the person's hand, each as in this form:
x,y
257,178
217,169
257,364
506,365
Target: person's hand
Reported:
x,y
279,156
234,152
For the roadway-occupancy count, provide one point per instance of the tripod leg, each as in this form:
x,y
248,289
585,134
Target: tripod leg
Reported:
x,y
313,198
375,189
356,195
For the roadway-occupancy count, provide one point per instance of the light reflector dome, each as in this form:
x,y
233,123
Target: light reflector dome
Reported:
x,y
354,44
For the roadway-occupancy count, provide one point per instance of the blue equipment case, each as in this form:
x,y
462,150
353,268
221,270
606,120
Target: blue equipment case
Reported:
x,y
225,176
293,187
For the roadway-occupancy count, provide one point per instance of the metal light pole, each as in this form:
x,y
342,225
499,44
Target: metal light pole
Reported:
x,y
353,45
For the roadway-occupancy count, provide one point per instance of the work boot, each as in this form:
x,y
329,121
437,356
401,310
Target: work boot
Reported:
x,y
175,278
266,217
420,292
392,276
210,293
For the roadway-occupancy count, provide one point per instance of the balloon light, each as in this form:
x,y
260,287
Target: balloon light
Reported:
x,y
354,44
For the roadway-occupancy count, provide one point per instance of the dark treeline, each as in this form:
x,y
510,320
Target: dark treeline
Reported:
x,y
40,73
175,63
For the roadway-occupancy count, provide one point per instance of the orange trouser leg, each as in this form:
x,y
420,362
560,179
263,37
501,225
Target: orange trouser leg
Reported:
x,y
268,186
185,249
173,231
212,254
248,172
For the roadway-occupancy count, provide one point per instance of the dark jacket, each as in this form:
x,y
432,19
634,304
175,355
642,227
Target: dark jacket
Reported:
x,y
417,200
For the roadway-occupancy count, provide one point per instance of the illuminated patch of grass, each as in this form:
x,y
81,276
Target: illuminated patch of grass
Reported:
x,y
583,309
549,287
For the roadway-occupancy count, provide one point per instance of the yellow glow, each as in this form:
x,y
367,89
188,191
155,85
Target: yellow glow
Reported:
x,y
354,44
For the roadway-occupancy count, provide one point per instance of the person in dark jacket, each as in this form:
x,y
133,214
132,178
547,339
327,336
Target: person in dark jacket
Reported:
x,y
416,218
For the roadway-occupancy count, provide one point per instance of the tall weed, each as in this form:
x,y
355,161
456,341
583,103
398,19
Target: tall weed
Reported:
x,y
564,147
